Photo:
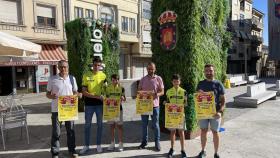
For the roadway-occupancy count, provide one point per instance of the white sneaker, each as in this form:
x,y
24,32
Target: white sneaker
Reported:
x,y
84,150
99,149
112,146
120,148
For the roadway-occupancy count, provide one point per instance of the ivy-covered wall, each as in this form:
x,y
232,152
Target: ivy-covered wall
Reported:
x,y
201,39
80,48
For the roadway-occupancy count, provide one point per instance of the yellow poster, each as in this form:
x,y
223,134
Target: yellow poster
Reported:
x,y
205,105
68,108
174,116
111,109
144,103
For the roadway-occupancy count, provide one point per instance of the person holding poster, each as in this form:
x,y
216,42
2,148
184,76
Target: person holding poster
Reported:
x,y
61,84
176,96
154,83
215,86
116,91
93,86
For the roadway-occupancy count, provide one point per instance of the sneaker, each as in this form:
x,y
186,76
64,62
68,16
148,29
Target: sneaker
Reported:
x,y
54,156
183,154
157,146
202,154
171,153
84,150
73,154
216,155
120,148
112,146
99,149
142,145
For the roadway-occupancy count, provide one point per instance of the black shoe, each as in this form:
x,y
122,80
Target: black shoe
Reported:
x,y
157,146
216,155
170,153
183,154
202,154
142,146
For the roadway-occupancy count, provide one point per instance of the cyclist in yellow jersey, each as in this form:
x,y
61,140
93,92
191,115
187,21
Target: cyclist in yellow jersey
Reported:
x,y
177,95
115,90
93,83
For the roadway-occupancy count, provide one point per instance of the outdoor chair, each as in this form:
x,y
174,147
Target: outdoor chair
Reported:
x,y
13,119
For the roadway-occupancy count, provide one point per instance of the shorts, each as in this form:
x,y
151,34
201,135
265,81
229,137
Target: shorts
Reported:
x,y
214,124
119,122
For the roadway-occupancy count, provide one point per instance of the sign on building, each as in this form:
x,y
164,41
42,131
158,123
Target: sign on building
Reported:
x,y
43,73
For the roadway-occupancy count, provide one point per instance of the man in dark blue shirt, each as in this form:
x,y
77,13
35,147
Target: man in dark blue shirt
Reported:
x,y
208,85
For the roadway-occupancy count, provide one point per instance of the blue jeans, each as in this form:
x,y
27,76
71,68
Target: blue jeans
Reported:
x,y
155,125
56,125
89,111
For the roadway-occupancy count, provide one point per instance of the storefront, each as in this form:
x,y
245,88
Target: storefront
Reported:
x,y
21,75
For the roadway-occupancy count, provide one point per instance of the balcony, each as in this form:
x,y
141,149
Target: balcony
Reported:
x,y
256,24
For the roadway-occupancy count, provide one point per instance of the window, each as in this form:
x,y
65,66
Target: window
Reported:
x,y
107,14
235,17
89,14
242,3
128,24
46,16
241,55
146,10
79,12
241,22
248,7
124,23
10,11
132,25
147,37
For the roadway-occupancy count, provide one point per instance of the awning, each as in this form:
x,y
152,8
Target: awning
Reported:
x,y
14,46
52,53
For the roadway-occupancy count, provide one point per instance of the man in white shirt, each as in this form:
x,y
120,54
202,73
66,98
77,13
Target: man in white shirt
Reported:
x,y
60,85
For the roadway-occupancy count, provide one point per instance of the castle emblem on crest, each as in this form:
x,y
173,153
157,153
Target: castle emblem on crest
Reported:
x,y
167,21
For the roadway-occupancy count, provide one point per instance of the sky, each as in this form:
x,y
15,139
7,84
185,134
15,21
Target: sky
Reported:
x,y
261,5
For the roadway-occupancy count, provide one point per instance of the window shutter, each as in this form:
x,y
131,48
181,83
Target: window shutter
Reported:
x,y
147,36
9,11
45,11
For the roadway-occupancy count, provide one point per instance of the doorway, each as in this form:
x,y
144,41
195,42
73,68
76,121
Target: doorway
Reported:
x,y
6,85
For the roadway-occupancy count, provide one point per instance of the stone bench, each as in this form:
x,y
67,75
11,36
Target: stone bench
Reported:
x,y
256,94
253,79
276,88
237,80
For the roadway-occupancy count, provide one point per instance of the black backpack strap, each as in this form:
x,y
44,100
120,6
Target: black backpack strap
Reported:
x,y
72,81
